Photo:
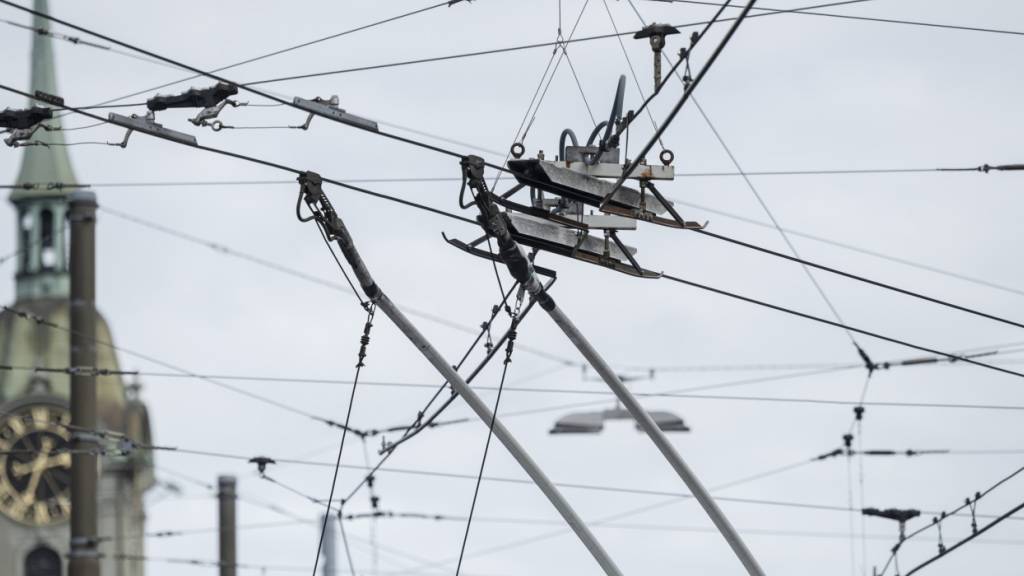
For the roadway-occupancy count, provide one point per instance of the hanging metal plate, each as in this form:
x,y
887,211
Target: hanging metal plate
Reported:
x,y
610,170
576,186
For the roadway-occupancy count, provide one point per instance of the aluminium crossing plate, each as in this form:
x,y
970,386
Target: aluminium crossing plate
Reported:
x,y
528,228
148,126
576,186
611,170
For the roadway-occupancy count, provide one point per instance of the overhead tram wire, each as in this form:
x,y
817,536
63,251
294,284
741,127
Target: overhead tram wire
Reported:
x,y
839,325
984,168
274,53
28,316
392,198
731,215
669,394
687,92
419,424
544,45
937,522
629,61
502,50
267,163
542,90
248,87
364,344
862,18
228,456
281,268
392,136
688,89
792,248
790,231
79,42
527,521
522,481
387,135
795,253
858,249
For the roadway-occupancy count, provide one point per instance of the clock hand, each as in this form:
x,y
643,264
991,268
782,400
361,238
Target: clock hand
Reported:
x,y
58,460
53,460
21,469
54,488
39,466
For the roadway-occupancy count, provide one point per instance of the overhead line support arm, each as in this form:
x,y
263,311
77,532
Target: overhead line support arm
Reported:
x,y
521,268
312,194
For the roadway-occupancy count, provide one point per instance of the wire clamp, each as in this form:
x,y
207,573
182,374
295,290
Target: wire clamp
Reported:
x,y
261,463
22,124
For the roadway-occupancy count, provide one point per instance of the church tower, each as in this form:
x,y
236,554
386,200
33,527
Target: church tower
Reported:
x,y
34,473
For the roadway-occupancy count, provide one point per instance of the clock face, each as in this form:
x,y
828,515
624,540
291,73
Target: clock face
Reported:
x,y
35,468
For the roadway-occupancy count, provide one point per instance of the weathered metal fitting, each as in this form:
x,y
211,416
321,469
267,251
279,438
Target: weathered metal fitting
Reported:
x,y
329,108
147,125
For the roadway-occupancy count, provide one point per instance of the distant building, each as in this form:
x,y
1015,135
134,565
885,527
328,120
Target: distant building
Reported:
x,y
34,473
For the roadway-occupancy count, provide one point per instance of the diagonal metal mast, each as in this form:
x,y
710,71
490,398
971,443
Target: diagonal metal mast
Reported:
x,y
522,270
335,229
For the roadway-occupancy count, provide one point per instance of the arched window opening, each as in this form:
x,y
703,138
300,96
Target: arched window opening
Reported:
x,y
42,561
48,257
25,230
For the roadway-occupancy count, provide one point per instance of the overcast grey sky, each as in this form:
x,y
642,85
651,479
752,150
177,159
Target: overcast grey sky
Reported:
x,y
790,92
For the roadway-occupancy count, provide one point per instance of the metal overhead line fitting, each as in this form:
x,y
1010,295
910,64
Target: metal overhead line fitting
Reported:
x,y
558,224
334,229
212,100
22,124
497,224
656,33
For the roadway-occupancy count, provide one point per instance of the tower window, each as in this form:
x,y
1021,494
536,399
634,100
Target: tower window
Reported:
x,y
42,561
25,220
48,256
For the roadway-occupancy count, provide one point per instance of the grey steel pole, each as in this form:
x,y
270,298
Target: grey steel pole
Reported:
x,y
83,558
335,228
522,270
226,496
327,553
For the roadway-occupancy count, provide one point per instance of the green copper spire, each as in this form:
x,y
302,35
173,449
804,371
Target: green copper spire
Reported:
x,y
40,164
42,264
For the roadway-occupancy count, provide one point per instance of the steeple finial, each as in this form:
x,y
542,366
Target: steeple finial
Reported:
x,y
40,164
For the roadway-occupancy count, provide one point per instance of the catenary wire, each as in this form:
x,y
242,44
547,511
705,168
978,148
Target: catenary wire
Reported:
x,y
778,227
29,316
270,54
490,434
774,471
858,249
688,88
271,164
441,212
420,144
834,324
232,252
537,45
364,342
865,18
731,215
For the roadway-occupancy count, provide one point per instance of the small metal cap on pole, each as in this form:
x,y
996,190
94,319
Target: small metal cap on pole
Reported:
x,y
226,496
84,554
656,33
